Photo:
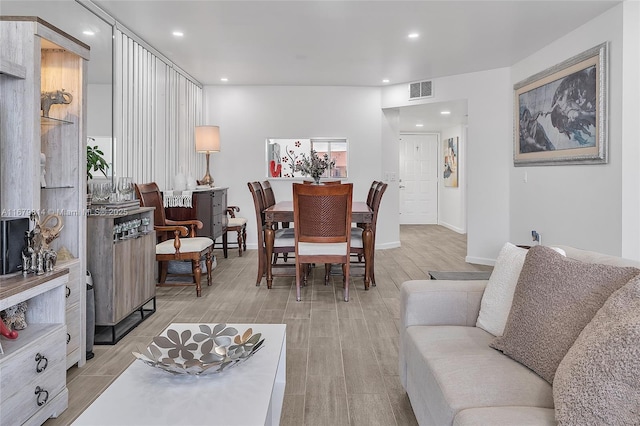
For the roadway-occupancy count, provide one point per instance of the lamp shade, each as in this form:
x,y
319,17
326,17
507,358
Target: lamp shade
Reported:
x,y
207,138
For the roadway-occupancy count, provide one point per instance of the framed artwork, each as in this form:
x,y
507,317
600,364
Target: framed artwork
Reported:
x,y
561,113
282,155
450,152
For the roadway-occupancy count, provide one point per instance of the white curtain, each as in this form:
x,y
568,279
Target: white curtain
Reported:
x,y
156,108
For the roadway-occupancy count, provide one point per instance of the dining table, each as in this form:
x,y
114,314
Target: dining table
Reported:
x,y
283,212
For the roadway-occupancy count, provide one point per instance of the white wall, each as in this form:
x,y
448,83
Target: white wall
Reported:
x,y
99,110
488,152
577,205
451,205
247,115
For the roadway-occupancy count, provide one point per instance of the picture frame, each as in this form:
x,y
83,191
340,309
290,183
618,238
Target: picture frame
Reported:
x,y
283,154
560,114
450,155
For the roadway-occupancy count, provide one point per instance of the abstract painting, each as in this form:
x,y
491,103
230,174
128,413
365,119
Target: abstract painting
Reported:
x,y
450,151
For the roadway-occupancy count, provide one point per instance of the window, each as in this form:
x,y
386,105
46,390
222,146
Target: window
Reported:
x,y
283,154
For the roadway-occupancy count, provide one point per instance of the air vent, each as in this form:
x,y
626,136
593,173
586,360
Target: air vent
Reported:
x,y
420,89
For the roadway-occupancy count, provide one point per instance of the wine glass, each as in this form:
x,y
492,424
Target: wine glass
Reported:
x,y
125,188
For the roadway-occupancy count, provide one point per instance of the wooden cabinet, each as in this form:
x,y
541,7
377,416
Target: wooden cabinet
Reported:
x,y
211,210
33,367
209,207
37,58
122,271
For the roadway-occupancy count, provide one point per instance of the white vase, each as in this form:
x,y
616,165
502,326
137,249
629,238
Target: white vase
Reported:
x,y
179,182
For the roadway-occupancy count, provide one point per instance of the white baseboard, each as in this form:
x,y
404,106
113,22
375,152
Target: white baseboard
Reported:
x,y
453,228
480,261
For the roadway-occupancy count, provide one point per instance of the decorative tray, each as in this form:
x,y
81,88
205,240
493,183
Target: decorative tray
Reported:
x,y
201,349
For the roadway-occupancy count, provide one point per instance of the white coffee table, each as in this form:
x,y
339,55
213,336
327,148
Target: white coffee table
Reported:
x,y
251,393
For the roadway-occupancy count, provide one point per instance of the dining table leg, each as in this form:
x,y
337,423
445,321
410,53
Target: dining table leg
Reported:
x,y
269,238
367,242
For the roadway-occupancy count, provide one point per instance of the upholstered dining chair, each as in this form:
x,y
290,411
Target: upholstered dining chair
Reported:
x,y
357,246
237,225
269,199
170,246
283,241
322,223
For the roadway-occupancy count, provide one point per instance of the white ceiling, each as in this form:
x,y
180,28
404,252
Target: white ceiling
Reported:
x,y
351,43
354,43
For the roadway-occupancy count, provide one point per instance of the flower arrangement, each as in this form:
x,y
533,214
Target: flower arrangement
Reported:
x,y
314,165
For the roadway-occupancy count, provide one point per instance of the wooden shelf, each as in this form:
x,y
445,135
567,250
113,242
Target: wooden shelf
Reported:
x,y
12,69
50,121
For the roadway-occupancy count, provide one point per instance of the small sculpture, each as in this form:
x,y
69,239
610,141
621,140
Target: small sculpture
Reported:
x,y
14,317
50,98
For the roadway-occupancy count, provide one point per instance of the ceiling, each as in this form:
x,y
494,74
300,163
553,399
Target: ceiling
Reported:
x,y
341,43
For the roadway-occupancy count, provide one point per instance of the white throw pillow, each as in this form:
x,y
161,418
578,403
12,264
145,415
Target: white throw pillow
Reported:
x,y
498,295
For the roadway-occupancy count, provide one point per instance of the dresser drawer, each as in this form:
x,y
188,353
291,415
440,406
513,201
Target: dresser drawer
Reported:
x,y
28,398
73,328
33,361
74,286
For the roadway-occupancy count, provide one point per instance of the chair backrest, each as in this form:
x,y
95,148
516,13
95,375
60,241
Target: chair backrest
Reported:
x,y
375,205
258,201
269,197
322,213
372,191
150,196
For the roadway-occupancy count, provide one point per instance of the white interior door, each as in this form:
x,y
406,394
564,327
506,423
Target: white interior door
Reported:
x,y
419,179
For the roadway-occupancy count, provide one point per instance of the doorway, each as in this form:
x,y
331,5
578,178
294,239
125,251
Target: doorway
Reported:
x,y
418,179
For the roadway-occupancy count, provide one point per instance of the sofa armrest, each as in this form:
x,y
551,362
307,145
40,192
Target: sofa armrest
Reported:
x,y
440,302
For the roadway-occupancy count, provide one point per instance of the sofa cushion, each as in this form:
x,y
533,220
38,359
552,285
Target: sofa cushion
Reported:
x,y
505,416
598,381
497,297
554,299
452,368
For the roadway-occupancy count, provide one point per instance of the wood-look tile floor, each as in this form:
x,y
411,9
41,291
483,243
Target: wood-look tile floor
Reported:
x,y
342,358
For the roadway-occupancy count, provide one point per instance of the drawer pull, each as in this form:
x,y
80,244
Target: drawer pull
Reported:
x,y
68,338
68,292
42,397
41,359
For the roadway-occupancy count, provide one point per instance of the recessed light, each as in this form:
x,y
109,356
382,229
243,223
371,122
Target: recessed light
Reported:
x,y
224,79
89,33
413,35
178,33
445,112
419,125
386,80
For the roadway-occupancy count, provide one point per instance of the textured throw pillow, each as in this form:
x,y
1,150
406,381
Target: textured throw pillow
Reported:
x,y
554,299
598,381
497,296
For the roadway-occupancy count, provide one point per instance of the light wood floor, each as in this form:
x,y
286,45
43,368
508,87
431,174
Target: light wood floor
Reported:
x,y
341,357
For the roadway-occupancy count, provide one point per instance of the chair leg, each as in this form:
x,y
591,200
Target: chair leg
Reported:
x,y
244,238
197,273
209,263
164,267
261,266
345,273
327,273
240,242
298,273
224,244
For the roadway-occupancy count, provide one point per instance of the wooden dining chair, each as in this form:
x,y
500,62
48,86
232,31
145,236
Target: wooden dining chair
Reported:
x,y
269,199
283,241
357,245
239,226
170,246
322,223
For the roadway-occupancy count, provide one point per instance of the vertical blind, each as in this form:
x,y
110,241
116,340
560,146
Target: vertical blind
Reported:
x,y
156,108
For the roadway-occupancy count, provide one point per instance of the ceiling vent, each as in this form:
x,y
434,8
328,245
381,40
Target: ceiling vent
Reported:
x,y
420,89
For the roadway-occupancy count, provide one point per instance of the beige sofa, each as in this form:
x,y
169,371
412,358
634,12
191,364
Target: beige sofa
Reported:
x,y
450,373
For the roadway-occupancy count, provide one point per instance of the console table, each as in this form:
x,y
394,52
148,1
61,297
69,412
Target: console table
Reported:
x,y
251,393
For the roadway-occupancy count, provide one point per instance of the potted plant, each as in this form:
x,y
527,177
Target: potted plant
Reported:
x,y
314,165
95,161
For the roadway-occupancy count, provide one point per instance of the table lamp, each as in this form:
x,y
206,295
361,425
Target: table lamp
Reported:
x,y
207,141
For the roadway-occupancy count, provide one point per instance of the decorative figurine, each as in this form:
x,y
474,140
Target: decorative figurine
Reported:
x,y
50,98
